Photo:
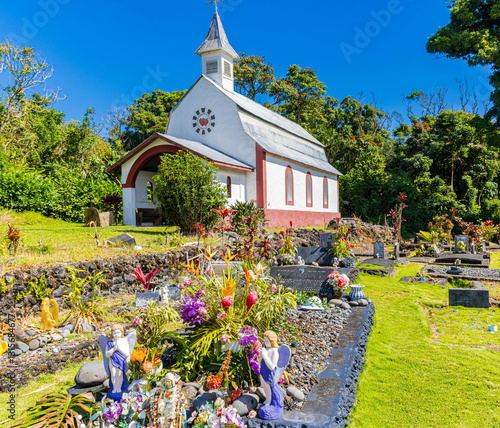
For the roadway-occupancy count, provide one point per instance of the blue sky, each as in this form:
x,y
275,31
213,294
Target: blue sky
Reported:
x,y
106,53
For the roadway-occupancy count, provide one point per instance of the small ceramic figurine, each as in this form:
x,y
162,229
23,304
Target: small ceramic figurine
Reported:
x,y
272,366
116,354
50,315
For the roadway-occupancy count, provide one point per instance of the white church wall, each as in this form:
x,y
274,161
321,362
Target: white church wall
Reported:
x,y
276,190
128,195
238,181
227,135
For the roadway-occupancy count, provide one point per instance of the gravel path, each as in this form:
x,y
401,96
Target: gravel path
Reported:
x,y
477,274
315,333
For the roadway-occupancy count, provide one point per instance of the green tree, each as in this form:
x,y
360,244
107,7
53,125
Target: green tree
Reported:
x,y
473,34
253,75
186,190
148,114
299,96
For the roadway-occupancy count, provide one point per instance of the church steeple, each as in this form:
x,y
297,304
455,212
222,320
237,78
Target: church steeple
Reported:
x,y
217,55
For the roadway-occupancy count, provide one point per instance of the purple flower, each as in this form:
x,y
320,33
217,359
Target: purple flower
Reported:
x,y
247,335
193,310
114,412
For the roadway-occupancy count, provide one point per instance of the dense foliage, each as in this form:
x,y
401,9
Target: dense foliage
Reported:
x,y
186,190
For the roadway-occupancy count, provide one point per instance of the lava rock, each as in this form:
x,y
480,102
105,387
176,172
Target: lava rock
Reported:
x,y
336,302
69,327
30,332
354,303
91,374
65,333
245,403
87,328
295,393
34,344
345,305
205,398
362,302
57,337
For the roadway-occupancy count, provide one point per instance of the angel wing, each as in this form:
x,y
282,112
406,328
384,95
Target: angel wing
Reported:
x,y
103,341
131,337
284,357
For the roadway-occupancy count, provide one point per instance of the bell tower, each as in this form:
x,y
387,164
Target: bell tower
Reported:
x,y
217,55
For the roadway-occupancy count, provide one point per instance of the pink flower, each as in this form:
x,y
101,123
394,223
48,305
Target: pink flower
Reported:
x,y
187,283
273,288
208,271
224,338
227,302
137,321
221,316
251,299
202,311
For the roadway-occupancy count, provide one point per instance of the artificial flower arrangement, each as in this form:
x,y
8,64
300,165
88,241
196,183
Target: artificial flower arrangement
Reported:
x,y
337,281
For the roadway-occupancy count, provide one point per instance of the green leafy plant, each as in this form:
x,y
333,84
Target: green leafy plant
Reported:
x,y
57,411
39,288
187,190
341,246
242,211
152,326
84,310
4,286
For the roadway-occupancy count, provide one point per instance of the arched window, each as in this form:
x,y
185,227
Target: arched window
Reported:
x,y
309,190
325,192
289,185
150,188
228,186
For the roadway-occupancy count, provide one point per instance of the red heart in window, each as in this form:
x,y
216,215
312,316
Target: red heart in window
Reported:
x,y
203,121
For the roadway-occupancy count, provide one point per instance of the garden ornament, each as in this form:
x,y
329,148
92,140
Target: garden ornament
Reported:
x,y
50,315
272,366
116,354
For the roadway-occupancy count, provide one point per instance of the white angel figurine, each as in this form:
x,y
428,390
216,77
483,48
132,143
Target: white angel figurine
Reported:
x,y
116,354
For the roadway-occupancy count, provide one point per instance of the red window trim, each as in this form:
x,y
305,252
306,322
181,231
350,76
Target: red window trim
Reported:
x,y
288,168
228,186
325,201
309,177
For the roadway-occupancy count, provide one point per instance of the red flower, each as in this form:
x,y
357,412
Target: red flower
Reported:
x,y
213,382
251,299
227,302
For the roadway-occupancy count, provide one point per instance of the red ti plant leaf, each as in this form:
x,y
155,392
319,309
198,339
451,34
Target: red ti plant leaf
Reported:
x,y
139,275
150,277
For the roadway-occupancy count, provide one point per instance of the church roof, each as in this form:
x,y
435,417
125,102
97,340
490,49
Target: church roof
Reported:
x,y
216,39
291,145
217,157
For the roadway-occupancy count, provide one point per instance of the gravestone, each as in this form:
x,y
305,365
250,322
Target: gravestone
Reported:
x,y
314,254
326,240
308,279
106,219
464,239
378,249
465,259
144,299
123,239
469,298
92,214
396,250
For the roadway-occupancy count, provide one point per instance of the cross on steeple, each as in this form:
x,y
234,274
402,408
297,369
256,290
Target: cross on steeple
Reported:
x,y
214,1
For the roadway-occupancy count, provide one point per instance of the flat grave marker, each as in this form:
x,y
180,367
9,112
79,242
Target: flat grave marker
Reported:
x,y
469,298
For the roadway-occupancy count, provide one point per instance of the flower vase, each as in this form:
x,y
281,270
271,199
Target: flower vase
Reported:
x,y
356,292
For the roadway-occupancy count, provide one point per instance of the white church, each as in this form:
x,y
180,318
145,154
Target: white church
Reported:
x,y
260,155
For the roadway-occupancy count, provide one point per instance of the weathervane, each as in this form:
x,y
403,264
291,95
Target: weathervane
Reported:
x,y
214,1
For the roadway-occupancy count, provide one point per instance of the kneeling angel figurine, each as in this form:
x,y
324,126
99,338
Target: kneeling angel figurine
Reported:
x,y
116,354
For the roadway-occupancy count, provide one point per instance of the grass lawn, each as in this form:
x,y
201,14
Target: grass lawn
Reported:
x,y
46,240
414,377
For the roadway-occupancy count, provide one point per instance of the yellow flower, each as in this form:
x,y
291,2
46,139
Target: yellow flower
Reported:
x,y
229,256
228,290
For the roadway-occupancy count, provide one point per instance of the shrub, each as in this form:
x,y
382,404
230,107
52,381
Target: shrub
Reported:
x,y
243,211
186,190
26,190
